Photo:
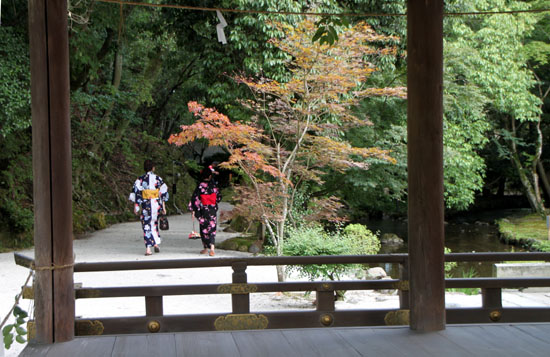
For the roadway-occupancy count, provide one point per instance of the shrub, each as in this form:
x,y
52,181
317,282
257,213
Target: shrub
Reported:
x,y
314,241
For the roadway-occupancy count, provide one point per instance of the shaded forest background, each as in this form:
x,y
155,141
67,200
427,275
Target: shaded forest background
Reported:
x,y
134,69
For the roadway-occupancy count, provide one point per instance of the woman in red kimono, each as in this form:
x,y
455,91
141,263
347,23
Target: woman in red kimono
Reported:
x,y
204,204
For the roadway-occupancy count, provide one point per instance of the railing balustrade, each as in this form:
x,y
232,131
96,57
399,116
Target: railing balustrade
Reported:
x,y
325,313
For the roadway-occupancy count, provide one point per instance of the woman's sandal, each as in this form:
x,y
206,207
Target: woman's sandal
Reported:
x,y
157,249
148,253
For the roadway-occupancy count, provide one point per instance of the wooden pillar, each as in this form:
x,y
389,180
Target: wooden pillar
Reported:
x,y
425,164
51,150
240,302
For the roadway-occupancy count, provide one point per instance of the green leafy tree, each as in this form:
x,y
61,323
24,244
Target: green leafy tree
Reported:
x,y
502,76
301,121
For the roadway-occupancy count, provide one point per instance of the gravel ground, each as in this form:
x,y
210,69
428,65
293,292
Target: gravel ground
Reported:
x,y
123,242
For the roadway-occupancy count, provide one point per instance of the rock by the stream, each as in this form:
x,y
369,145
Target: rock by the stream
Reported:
x,y
255,247
375,273
391,239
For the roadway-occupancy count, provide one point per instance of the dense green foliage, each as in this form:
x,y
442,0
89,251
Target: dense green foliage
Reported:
x,y
134,71
354,239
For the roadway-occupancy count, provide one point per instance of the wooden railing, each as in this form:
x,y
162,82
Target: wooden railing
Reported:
x,y
325,313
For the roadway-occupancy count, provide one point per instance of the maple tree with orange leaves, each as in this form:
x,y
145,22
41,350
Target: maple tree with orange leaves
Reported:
x,y
295,130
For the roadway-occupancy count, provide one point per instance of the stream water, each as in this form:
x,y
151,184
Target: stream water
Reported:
x,y
472,233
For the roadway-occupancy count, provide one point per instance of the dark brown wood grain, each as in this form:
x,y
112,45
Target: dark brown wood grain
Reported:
x,y
425,163
49,55
153,306
61,170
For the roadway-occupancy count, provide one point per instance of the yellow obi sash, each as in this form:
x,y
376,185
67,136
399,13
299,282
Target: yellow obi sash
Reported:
x,y
149,194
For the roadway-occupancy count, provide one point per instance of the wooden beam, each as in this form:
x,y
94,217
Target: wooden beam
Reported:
x,y
425,164
51,131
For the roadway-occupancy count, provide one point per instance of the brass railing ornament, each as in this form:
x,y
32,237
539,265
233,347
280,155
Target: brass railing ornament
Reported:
x,y
326,319
495,315
397,317
241,322
153,326
88,328
402,285
237,288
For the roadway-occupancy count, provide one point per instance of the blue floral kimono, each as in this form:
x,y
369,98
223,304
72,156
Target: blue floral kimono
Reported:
x,y
149,191
204,203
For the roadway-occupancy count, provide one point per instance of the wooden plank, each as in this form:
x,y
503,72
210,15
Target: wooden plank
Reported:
x,y
508,315
276,320
206,344
368,343
472,339
130,345
464,340
513,340
538,333
436,344
204,289
84,346
319,342
265,343
252,261
425,181
35,350
161,344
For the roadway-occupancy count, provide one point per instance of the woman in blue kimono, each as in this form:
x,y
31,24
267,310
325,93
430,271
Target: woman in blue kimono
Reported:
x,y
149,194
204,204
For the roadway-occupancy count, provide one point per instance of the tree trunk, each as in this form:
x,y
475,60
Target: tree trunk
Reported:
x,y
531,187
527,186
280,243
543,178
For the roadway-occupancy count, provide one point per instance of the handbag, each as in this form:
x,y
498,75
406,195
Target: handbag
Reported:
x,y
163,223
194,234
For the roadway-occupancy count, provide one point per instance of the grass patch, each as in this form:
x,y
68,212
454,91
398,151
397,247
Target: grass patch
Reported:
x,y
469,274
529,231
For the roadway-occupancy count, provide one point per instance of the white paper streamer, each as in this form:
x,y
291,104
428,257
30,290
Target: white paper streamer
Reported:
x,y
220,26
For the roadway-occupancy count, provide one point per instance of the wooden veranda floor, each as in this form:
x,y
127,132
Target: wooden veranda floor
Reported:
x,y
531,339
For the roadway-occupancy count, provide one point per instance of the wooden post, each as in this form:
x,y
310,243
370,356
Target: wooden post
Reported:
x,y
404,296
491,298
425,164
240,302
153,306
51,133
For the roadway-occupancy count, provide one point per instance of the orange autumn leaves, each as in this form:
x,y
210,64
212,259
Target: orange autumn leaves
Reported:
x,y
296,131
243,142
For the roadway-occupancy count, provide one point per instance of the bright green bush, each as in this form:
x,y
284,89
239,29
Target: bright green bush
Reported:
x,y
314,241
